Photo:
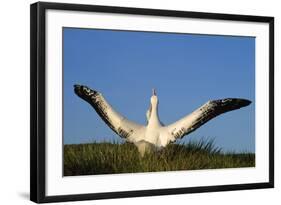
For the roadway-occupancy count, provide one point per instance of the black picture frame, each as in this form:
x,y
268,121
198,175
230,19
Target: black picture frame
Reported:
x,y
38,101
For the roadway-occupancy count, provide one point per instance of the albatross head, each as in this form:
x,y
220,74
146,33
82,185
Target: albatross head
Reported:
x,y
154,98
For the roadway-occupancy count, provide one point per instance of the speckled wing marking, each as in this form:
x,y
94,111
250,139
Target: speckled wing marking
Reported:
x,y
208,111
119,124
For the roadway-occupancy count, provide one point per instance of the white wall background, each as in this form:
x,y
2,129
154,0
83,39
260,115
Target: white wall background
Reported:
x,y
14,100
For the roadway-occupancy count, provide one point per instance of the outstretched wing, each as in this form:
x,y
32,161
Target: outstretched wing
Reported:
x,y
119,124
202,115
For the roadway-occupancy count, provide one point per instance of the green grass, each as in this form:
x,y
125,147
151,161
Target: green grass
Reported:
x,y
111,158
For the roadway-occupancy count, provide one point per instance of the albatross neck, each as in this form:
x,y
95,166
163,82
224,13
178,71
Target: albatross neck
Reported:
x,y
154,119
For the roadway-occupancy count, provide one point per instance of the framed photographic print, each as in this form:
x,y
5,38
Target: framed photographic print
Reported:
x,y
129,102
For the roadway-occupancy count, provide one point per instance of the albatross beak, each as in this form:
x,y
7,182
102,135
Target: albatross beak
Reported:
x,y
153,91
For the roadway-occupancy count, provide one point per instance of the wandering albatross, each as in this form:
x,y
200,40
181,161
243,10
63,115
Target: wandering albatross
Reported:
x,y
155,135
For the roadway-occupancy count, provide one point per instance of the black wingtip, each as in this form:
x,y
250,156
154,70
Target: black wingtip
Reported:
x,y
76,86
77,89
236,103
84,91
243,102
232,103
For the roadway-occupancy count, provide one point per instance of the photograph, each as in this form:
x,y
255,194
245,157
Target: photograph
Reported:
x,y
144,101
134,102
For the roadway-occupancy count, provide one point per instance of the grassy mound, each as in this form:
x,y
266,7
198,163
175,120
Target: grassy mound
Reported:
x,y
111,158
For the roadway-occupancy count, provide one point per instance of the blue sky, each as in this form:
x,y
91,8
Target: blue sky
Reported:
x,y
186,69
